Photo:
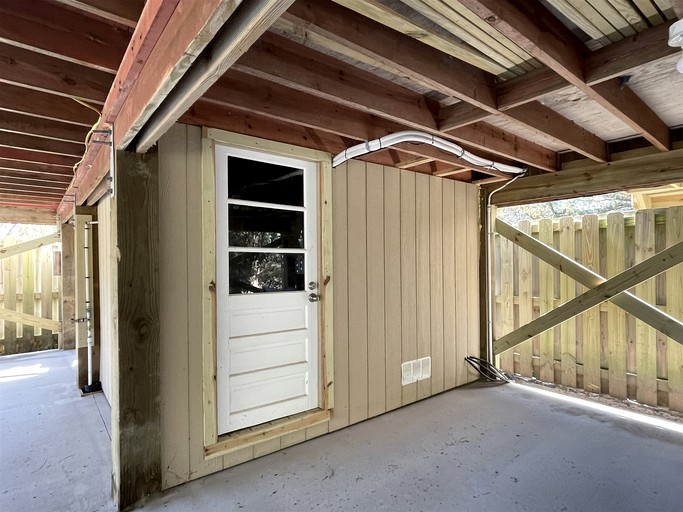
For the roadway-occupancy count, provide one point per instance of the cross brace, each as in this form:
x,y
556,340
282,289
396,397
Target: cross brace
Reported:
x,y
602,289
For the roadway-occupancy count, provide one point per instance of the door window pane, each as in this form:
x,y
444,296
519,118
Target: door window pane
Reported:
x,y
265,227
265,272
250,180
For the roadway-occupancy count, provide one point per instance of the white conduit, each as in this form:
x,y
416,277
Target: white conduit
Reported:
x,y
425,138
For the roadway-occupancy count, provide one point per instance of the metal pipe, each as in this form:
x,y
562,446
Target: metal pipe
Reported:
x,y
489,270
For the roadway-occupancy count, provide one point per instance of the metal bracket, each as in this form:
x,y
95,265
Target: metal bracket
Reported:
x,y
112,156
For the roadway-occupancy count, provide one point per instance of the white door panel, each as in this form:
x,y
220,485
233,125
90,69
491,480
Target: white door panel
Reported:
x,y
266,254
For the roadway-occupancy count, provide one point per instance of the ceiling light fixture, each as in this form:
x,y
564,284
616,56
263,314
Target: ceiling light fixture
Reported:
x,y
676,39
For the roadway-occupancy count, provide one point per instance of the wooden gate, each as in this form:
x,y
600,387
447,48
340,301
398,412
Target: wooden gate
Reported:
x,y
629,346
30,285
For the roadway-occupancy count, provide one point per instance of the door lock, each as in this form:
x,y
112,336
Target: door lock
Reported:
x,y
313,297
312,285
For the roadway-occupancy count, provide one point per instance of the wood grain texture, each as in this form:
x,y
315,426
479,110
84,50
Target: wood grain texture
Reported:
x,y
547,295
590,246
506,311
137,469
674,306
646,348
616,316
567,292
526,312
68,300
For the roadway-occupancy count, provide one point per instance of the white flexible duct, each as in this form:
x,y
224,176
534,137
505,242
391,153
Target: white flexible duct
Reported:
x,y
424,138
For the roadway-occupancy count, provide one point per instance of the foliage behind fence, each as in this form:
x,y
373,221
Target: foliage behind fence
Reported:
x,y
604,350
24,279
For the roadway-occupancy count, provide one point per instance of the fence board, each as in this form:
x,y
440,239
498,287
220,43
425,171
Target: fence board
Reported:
x,y
646,348
616,317
567,292
28,290
526,306
46,297
674,301
506,324
10,280
547,294
590,245
607,339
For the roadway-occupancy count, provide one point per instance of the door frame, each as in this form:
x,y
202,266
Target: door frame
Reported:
x,y
214,445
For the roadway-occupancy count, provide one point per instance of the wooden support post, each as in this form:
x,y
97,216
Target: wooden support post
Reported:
x,y
136,436
83,268
651,267
68,336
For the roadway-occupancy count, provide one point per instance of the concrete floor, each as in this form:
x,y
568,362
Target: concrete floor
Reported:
x,y
477,448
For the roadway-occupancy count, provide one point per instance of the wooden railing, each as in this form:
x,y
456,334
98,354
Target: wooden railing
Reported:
x,y
30,287
605,349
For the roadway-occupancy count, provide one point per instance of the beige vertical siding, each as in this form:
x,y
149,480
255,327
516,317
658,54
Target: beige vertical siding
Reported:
x,y
405,248
106,216
397,266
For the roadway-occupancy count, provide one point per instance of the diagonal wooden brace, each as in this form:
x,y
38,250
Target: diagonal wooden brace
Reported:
x,y
613,289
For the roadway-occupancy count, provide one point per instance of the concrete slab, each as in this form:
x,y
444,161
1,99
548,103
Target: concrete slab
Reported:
x,y
478,448
54,444
473,449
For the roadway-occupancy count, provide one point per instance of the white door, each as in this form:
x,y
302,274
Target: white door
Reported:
x,y
267,278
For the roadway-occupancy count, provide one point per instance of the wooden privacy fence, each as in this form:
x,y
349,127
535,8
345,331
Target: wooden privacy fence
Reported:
x,y
605,349
30,284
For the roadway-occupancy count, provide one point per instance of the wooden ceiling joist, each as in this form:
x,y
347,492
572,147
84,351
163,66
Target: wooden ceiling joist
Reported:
x,y
40,144
31,125
27,215
47,177
123,12
44,105
32,70
54,30
30,156
536,30
308,71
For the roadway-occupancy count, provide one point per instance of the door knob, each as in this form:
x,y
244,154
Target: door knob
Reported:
x,y
313,297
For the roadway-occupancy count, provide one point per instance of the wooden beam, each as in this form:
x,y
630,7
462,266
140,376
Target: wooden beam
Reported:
x,y
31,125
16,200
543,36
254,95
461,114
290,65
243,28
545,121
625,300
44,105
123,12
9,315
63,33
27,192
32,184
42,145
644,270
178,42
45,73
529,87
645,171
30,245
340,30
623,57
20,169
18,215
136,429
27,155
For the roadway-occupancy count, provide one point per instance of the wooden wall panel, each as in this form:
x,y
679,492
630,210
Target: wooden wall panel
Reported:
x,y
386,225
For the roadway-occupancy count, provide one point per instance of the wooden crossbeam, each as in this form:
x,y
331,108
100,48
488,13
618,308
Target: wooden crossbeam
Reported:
x,y
32,125
125,12
644,171
13,250
637,307
9,315
644,270
543,36
27,215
